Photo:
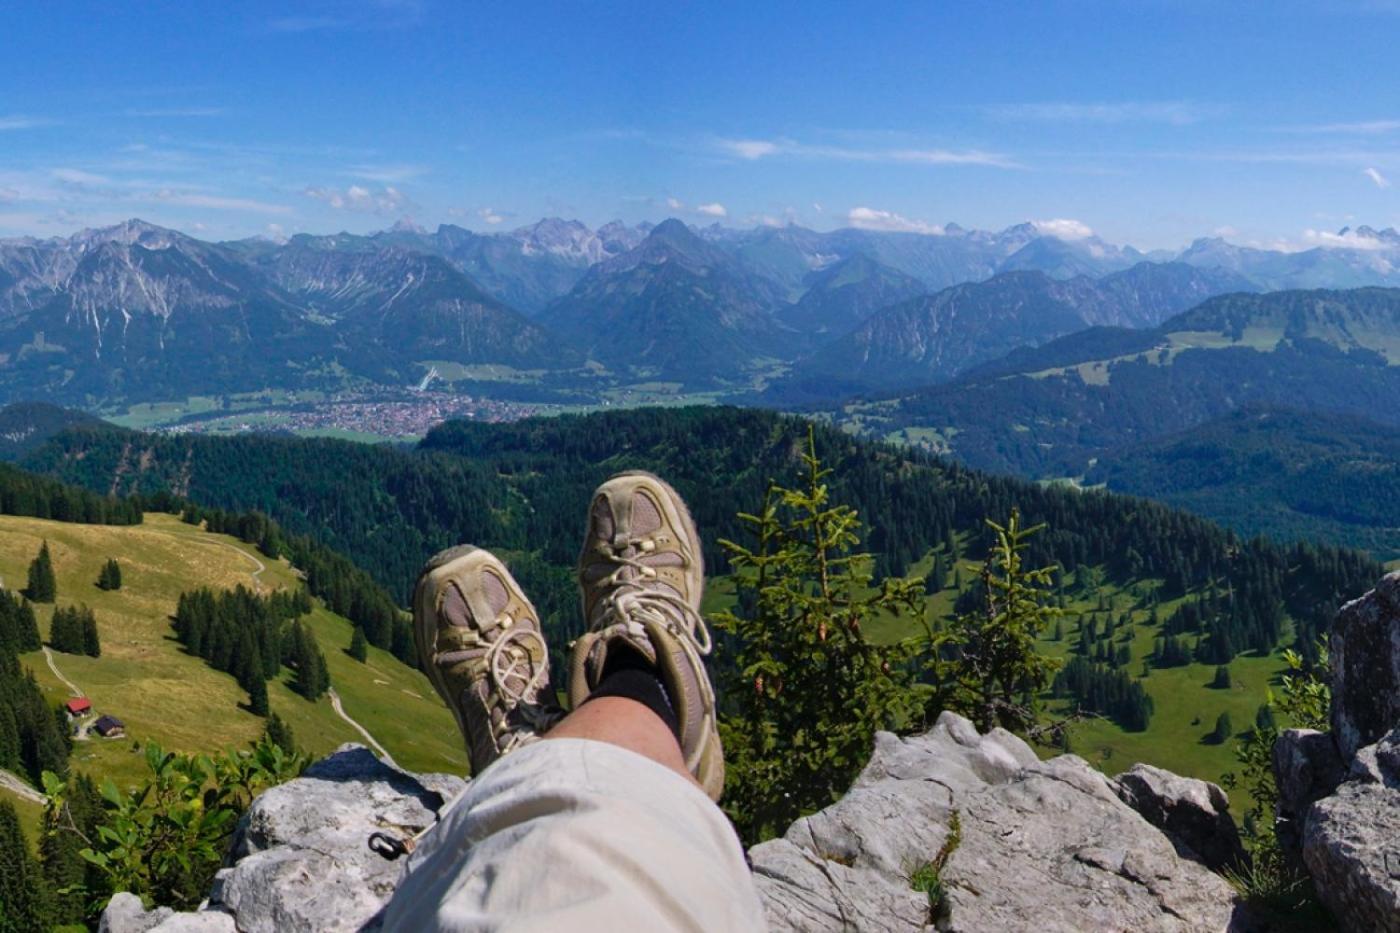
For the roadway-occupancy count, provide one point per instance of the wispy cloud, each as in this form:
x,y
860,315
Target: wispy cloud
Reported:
x,y
491,215
214,202
1360,128
358,15
1347,239
1063,228
755,149
386,174
21,122
713,209
177,112
1172,112
869,218
749,148
387,200
1377,178
73,176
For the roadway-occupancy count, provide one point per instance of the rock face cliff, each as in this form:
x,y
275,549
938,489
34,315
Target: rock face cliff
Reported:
x,y
1339,791
951,831
1044,846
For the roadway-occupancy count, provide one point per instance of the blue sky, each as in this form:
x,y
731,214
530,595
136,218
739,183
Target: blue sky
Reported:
x,y
1147,122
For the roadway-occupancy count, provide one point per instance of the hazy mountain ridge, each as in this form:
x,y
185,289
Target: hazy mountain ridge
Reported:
x,y
1051,411
138,312
937,337
676,307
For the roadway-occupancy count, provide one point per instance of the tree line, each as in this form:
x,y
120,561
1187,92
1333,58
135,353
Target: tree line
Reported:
x,y
251,636
73,630
33,736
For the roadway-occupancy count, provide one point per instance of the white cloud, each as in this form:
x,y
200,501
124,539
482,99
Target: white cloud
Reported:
x,y
1063,229
674,204
388,200
749,148
19,122
1380,180
753,149
869,218
386,174
177,112
1173,112
713,209
1348,239
213,202
1359,128
490,216
73,176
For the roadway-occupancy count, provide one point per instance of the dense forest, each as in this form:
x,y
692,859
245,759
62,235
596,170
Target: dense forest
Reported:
x,y
1288,474
522,489
33,736
251,636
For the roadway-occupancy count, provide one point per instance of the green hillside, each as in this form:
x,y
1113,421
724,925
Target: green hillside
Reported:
x,y
1290,475
522,489
162,694
1053,410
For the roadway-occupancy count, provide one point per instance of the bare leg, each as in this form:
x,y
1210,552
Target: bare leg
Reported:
x,y
626,724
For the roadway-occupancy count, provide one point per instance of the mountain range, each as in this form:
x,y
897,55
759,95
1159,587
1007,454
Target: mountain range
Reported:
x,y
136,312
1055,410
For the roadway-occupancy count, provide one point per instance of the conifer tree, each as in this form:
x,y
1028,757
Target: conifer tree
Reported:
x,y
1224,729
257,696
22,901
42,586
92,646
1222,680
359,647
995,673
111,576
312,678
809,688
280,734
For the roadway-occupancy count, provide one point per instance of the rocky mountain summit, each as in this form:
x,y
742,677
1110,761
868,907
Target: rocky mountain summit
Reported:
x,y
951,830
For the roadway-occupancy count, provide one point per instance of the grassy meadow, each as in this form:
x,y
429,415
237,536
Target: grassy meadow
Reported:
x,y
162,694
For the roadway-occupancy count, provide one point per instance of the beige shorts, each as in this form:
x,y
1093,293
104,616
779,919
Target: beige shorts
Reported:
x,y
574,836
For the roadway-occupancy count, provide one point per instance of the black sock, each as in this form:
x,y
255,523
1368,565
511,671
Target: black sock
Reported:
x,y
627,673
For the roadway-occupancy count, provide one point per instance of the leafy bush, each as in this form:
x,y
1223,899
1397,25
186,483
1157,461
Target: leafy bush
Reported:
x,y
164,840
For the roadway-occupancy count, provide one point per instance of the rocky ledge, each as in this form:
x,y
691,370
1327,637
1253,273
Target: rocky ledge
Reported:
x,y
1039,845
1044,846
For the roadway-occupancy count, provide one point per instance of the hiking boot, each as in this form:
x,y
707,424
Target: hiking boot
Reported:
x,y
480,644
641,575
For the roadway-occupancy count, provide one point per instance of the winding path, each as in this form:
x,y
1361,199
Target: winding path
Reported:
x,y
14,785
72,687
340,711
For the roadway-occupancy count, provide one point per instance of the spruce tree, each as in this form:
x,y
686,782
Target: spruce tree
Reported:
x,y
1222,678
312,679
257,696
92,647
42,587
280,734
1224,729
22,890
359,647
111,576
28,627
810,688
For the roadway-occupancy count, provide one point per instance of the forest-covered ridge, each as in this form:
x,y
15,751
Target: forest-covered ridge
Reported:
x,y
521,488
